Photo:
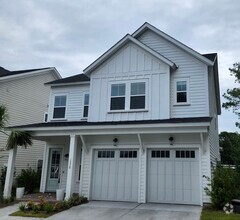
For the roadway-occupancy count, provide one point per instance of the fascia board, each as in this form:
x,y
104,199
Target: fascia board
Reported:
x,y
173,41
23,75
121,43
115,127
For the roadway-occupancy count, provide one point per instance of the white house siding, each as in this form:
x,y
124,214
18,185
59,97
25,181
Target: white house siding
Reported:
x,y
189,67
75,99
213,130
128,64
26,99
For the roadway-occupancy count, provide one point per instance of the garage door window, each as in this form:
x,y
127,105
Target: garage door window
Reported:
x,y
106,154
128,154
160,153
185,154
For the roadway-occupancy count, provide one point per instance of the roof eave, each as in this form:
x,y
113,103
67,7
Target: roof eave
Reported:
x,y
147,26
121,43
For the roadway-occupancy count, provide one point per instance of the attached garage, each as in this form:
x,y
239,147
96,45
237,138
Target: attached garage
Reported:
x,y
173,176
115,175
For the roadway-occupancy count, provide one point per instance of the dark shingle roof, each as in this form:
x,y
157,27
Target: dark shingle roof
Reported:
x,y
71,79
85,123
210,56
4,72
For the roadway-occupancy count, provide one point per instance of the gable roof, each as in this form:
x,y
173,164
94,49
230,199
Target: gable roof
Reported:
x,y
128,38
146,26
7,74
76,79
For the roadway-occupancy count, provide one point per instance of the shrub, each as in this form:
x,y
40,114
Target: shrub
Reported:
x,y
22,207
224,186
65,205
29,179
36,208
29,205
48,207
42,202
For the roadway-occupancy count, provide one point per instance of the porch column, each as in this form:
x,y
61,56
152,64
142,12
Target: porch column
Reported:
x,y
71,165
9,175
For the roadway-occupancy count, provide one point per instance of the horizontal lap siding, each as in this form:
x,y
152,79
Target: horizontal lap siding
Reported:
x,y
190,68
26,100
75,101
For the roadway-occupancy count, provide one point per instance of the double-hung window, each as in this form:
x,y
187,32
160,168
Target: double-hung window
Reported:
x,y
118,92
182,92
59,110
137,96
86,105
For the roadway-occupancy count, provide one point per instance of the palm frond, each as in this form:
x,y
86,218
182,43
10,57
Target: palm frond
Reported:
x,y
18,138
3,116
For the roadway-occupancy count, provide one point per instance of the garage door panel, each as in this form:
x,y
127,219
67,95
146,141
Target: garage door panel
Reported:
x,y
115,175
174,177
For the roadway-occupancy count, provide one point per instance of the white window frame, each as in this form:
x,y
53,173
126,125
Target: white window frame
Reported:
x,y
187,91
120,96
85,93
128,95
53,106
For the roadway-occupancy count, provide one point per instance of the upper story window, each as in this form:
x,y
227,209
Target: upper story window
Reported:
x,y
128,96
86,105
137,97
182,91
60,104
118,96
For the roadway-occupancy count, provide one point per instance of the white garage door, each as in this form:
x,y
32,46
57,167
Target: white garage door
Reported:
x,y
115,175
173,176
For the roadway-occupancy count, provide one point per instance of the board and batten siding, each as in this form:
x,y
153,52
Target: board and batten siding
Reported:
x,y
130,64
188,67
75,99
26,99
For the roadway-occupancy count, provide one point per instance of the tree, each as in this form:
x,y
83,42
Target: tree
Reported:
x,y
233,95
15,138
230,144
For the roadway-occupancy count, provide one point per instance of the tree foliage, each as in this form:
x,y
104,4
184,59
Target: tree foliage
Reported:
x,y
233,95
230,144
15,138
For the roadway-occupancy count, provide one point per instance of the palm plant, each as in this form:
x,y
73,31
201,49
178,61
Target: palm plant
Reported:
x,y
16,137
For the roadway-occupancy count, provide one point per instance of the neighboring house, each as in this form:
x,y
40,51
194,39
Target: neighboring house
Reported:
x,y
26,97
140,124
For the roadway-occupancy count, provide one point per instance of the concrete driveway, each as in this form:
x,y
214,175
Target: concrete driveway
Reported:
x,y
130,211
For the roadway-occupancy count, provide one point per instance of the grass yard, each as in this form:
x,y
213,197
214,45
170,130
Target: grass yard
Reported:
x,y
218,215
31,214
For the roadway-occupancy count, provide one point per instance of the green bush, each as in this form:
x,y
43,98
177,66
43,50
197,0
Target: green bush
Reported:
x,y
22,207
224,186
30,179
48,207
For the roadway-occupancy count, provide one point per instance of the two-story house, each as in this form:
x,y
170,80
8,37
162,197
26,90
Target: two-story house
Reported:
x,y
26,97
139,125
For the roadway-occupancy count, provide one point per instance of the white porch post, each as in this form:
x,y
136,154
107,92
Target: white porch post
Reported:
x,y
9,174
71,166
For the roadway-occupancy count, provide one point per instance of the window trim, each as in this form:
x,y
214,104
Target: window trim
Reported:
x,y
128,95
85,93
53,106
175,92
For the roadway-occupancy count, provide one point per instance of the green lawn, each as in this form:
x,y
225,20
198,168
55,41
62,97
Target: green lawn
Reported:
x,y
218,215
32,214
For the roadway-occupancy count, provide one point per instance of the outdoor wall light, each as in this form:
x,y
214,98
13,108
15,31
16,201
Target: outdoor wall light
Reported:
x,y
66,156
115,141
171,139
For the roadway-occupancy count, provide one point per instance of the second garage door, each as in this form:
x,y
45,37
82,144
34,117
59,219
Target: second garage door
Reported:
x,y
115,175
173,176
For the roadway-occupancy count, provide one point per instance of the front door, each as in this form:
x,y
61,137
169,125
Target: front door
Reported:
x,y
54,169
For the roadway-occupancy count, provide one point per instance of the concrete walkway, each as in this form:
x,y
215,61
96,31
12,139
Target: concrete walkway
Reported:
x,y
118,210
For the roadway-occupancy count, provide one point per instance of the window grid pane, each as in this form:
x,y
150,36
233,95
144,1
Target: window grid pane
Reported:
x,y
128,154
106,154
160,154
185,154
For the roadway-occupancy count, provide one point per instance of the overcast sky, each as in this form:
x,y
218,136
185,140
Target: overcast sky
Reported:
x,y
71,34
